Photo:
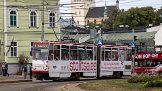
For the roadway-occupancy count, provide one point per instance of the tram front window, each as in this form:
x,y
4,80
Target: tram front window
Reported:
x,y
41,54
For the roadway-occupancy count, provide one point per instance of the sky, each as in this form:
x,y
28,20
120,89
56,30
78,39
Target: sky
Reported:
x,y
123,4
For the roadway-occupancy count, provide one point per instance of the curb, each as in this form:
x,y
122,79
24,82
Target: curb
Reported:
x,y
15,81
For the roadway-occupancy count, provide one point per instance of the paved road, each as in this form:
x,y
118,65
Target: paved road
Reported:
x,y
32,86
38,85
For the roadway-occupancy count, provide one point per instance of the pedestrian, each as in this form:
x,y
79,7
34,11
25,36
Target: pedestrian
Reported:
x,y
30,71
25,71
3,69
6,69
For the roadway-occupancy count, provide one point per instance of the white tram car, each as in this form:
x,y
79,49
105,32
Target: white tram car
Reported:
x,y
57,60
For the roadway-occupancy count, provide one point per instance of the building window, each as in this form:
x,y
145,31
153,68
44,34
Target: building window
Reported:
x,y
33,19
31,48
14,49
78,22
13,19
95,21
51,20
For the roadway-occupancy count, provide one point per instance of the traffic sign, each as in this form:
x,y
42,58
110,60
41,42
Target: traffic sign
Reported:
x,y
133,44
100,40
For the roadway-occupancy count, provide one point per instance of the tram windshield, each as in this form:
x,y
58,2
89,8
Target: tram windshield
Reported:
x,y
40,51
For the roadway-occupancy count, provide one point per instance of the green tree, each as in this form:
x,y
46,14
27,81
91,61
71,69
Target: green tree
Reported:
x,y
133,17
23,60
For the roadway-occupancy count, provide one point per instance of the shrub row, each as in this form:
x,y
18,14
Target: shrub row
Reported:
x,y
156,83
142,78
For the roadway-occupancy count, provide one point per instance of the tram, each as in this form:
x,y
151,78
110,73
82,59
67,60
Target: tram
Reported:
x,y
59,60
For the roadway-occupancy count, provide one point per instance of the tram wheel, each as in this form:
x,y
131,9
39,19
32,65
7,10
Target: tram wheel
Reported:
x,y
75,76
55,79
117,74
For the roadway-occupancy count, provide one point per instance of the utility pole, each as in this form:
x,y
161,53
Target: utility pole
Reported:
x,y
99,51
133,50
42,36
4,31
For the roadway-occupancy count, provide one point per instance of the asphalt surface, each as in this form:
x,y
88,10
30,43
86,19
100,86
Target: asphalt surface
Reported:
x,y
37,85
32,86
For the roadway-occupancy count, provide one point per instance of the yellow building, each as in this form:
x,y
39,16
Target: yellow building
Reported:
x,y
24,26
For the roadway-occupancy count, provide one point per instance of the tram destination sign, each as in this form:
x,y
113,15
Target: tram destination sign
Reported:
x,y
41,45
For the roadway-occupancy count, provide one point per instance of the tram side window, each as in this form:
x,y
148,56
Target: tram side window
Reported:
x,y
73,53
82,53
89,53
147,63
65,52
108,54
115,54
51,55
121,54
57,52
128,55
95,53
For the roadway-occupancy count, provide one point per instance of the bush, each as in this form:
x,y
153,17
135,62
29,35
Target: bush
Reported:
x,y
156,83
134,79
143,78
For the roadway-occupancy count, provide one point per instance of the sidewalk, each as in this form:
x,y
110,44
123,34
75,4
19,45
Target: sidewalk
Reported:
x,y
72,87
13,79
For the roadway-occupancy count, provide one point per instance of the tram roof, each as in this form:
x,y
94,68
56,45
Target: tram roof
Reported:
x,y
116,46
52,42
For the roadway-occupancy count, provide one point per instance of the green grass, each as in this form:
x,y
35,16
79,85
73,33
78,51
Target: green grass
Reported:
x,y
124,84
115,85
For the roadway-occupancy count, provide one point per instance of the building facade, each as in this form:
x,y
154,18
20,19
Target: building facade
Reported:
x,y
80,9
24,26
97,15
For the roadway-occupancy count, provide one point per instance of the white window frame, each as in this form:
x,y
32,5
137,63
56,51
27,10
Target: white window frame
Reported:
x,y
17,18
14,47
36,11
51,11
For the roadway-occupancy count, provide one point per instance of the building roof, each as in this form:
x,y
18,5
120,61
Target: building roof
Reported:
x,y
97,12
128,36
121,37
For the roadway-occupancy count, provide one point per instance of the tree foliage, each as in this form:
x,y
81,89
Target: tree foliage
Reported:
x,y
133,17
23,60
